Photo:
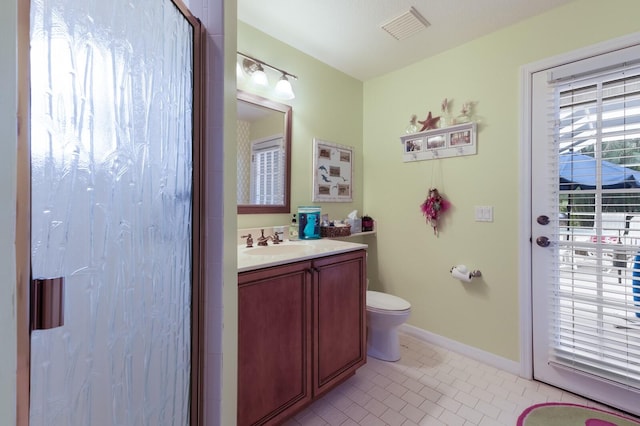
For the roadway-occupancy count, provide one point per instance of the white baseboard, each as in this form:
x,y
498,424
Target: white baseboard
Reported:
x,y
488,358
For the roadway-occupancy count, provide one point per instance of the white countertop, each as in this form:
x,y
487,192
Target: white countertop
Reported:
x,y
258,257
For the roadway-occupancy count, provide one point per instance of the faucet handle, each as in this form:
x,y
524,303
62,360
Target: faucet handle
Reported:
x,y
249,240
275,238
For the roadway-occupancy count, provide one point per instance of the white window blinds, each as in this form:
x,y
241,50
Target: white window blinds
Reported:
x,y
594,124
267,176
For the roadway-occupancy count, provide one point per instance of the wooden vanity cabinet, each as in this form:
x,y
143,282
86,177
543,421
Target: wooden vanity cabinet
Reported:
x,y
274,343
339,311
301,331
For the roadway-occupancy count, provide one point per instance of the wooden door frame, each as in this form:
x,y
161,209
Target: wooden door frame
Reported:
x,y
23,219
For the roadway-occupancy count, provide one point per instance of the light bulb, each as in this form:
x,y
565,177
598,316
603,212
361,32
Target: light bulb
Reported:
x,y
283,88
259,77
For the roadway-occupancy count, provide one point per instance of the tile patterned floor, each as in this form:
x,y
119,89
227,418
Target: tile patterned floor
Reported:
x,y
429,386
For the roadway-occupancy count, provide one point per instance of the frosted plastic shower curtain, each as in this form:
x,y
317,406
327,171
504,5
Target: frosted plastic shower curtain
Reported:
x,y
111,135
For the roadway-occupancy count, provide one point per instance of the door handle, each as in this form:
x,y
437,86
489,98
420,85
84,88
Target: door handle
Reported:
x,y
543,241
543,220
47,303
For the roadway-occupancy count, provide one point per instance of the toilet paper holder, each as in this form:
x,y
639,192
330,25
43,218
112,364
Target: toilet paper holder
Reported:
x,y
461,272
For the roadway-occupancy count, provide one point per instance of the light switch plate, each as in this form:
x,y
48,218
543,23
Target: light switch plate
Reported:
x,y
484,213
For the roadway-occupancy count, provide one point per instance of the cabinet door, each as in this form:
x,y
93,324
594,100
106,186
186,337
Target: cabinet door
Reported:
x,y
339,318
274,343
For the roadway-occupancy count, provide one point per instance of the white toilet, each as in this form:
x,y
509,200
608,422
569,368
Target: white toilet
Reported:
x,y
385,313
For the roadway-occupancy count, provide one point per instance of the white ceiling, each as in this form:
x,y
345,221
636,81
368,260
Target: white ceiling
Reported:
x,y
346,34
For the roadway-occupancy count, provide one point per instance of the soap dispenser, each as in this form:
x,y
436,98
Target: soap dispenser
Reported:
x,y
293,229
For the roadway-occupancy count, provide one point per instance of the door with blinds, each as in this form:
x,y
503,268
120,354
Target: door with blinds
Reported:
x,y
586,227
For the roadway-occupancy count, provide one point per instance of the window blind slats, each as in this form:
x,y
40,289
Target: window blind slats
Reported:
x,y
617,358
267,183
594,130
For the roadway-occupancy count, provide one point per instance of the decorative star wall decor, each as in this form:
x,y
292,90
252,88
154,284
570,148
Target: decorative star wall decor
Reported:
x,y
429,123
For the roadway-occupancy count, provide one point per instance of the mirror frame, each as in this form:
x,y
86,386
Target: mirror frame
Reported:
x,y
288,119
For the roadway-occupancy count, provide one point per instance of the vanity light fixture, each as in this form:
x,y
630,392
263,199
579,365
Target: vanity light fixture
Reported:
x,y
283,88
255,68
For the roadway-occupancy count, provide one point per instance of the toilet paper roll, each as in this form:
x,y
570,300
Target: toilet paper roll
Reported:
x,y
461,274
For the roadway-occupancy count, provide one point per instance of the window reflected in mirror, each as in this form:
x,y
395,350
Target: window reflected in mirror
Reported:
x,y
264,161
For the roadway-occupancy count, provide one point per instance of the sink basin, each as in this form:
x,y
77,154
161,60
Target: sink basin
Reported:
x,y
288,251
277,250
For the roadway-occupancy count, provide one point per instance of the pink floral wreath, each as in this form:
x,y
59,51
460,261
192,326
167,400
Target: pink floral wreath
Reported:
x,y
433,207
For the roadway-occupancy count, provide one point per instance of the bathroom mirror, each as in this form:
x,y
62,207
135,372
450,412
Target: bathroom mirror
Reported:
x,y
264,155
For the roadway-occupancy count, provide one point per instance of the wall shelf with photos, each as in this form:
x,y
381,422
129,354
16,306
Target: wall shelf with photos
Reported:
x,y
452,141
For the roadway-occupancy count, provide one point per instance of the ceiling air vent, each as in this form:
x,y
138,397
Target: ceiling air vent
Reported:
x,y
406,25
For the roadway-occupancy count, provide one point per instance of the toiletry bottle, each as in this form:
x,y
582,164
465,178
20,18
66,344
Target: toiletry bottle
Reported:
x,y
309,225
293,229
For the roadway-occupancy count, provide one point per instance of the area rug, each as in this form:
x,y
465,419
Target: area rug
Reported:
x,y
561,414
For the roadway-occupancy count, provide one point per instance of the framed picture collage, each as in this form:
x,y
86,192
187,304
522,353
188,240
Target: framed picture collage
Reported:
x,y
452,141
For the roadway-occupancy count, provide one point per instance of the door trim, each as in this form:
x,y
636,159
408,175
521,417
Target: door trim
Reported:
x,y
525,230
23,219
196,405
198,219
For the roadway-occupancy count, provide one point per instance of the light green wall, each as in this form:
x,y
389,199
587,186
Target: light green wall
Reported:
x,y
267,127
409,259
328,105
8,144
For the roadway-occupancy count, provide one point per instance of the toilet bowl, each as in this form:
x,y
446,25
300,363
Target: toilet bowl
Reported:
x,y
385,313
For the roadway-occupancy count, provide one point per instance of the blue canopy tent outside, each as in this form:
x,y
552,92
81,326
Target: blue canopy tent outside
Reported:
x,y
579,171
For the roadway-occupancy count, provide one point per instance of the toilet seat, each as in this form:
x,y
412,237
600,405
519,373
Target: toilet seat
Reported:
x,y
388,312
383,302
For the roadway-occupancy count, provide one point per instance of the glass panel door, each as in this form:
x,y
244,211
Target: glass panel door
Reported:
x,y
585,210
111,140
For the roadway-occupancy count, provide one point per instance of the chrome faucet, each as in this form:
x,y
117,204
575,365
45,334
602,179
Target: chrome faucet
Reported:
x,y
262,240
